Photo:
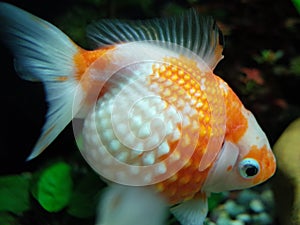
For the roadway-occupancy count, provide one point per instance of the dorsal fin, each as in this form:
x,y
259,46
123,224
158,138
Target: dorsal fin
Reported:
x,y
199,34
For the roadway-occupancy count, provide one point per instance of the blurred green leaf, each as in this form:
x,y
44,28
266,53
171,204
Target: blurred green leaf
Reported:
x,y
14,193
268,56
295,66
7,219
85,198
297,5
214,200
54,187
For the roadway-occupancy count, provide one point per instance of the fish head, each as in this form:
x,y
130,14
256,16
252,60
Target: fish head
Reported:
x,y
244,164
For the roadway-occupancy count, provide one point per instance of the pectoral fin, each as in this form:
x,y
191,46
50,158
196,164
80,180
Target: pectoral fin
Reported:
x,y
192,212
128,205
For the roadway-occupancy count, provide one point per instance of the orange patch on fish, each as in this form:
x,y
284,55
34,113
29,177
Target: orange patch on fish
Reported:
x,y
62,78
237,123
83,59
229,168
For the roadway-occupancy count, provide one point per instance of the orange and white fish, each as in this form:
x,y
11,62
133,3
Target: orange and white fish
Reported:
x,y
158,124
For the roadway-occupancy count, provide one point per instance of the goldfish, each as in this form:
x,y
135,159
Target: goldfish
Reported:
x,y
157,124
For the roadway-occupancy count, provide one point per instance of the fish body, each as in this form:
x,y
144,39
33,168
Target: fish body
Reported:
x,y
156,117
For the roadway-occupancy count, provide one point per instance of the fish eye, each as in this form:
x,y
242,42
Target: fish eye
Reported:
x,y
249,168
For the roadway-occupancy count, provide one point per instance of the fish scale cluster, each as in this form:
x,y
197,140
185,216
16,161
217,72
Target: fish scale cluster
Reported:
x,y
119,135
177,86
184,82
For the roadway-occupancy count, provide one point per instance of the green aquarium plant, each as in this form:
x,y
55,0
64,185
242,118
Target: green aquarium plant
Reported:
x,y
53,187
15,193
57,192
297,4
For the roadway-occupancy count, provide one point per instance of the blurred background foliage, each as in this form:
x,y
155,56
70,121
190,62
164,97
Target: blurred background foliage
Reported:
x,y
261,64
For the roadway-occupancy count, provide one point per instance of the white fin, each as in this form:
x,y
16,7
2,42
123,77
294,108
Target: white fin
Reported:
x,y
191,212
199,34
42,53
128,205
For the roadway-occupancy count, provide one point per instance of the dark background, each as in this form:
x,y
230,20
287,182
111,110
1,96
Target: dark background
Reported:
x,y
269,88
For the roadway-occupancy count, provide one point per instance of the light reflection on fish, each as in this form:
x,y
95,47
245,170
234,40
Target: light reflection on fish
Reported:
x,y
155,115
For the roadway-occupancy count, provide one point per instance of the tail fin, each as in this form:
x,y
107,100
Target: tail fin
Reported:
x,y
42,53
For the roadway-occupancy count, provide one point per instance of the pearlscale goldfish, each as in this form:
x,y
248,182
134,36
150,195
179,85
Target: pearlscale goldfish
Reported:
x,y
158,125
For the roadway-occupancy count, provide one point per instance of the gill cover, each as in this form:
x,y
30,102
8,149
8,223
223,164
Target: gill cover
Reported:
x,y
220,177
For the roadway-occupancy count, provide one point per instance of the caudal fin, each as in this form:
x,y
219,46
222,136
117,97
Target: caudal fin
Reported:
x,y
42,53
